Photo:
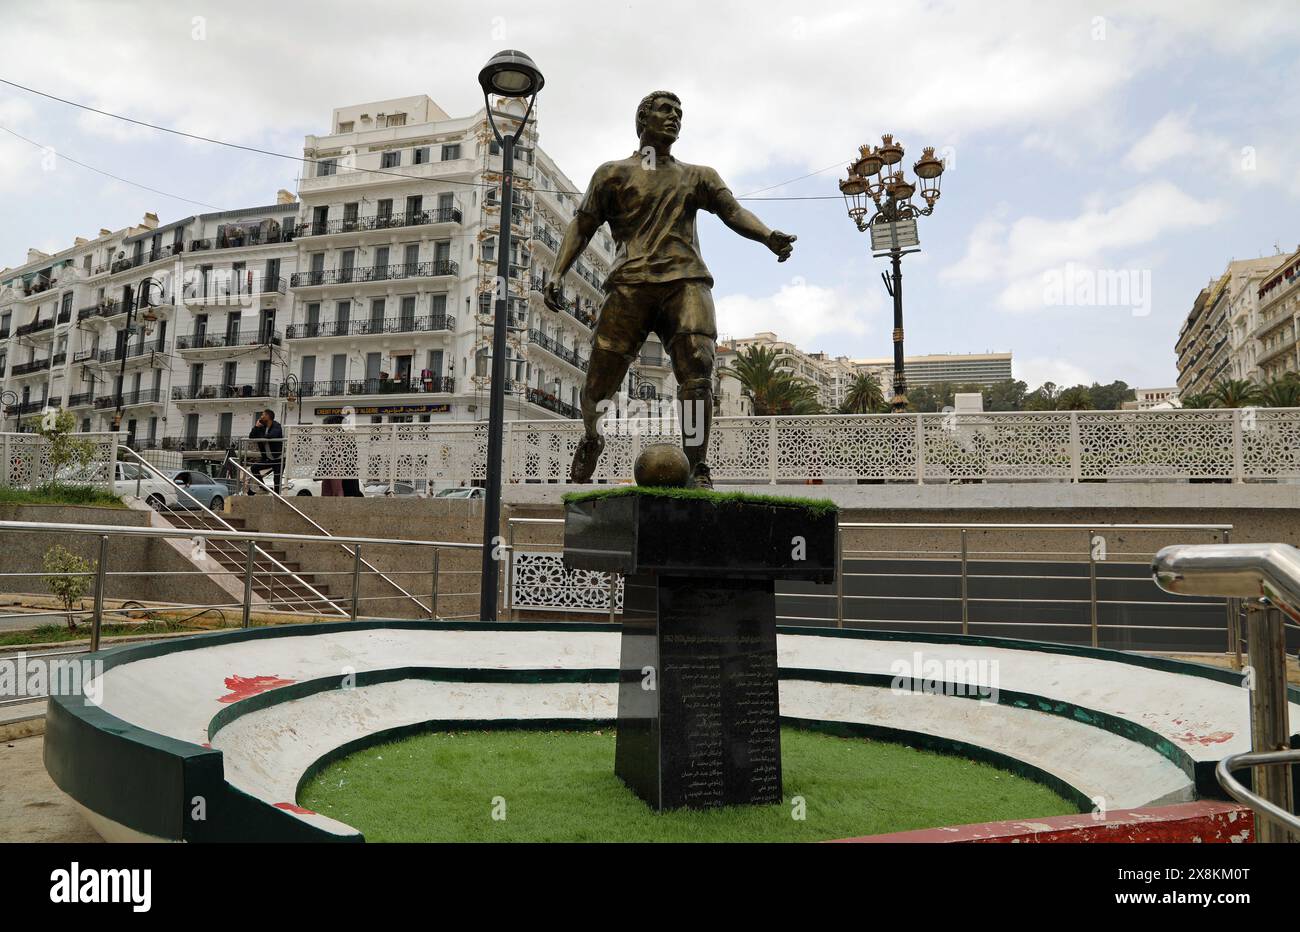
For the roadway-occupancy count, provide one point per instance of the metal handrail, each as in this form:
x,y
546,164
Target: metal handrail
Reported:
x,y
1223,772
186,495
1250,571
270,536
296,510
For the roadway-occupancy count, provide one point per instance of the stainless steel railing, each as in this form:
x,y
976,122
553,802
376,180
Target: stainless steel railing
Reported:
x,y
183,495
101,573
958,543
1267,576
249,479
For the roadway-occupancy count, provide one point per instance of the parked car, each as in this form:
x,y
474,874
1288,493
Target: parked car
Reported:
x,y
131,479
400,489
199,489
471,492
299,486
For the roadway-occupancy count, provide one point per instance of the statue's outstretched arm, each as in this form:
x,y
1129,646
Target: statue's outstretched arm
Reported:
x,y
749,226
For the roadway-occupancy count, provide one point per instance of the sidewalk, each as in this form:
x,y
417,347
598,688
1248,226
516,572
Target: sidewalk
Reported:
x,y
32,808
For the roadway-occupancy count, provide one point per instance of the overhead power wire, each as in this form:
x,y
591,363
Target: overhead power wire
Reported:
x,y
376,171
67,158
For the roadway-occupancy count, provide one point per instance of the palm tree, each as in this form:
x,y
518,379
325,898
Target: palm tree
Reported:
x,y
772,389
1282,393
1235,393
1077,398
864,396
1197,400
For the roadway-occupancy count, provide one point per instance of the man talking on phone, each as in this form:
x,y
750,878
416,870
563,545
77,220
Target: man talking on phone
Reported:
x,y
270,439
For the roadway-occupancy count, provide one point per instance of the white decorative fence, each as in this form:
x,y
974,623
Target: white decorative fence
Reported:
x,y
1231,444
540,581
25,459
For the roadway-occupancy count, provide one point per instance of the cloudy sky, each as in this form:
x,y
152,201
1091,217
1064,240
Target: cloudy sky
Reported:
x,y
1105,159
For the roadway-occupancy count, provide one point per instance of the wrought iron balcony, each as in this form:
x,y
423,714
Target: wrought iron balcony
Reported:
x,y
145,257
81,399
401,386
374,273
133,350
102,309
555,348
380,222
551,403
218,392
196,442
25,368
251,337
35,326
240,237
367,326
145,396
65,316
228,289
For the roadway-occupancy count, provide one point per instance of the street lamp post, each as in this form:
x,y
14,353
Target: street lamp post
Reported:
x,y
141,300
893,225
508,74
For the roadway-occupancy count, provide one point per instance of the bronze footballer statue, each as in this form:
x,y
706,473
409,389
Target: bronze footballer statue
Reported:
x,y
659,282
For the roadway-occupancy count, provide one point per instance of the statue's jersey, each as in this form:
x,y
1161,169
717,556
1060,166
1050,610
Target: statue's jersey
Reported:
x,y
651,213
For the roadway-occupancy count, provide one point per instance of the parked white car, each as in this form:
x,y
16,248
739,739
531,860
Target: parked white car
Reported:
x,y
131,479
298,486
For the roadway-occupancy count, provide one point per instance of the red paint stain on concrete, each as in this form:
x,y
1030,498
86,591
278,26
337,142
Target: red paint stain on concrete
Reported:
x,y
290,807
1216,737
241,687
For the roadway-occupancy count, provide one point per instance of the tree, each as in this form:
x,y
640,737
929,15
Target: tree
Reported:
x,y
1077,398
1110,397
1043,398
923,398
864,396
1008,395
1282,393
1197,400
1235,393
65,448
69,579
772,389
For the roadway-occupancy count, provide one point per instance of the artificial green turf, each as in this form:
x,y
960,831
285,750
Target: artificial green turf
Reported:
x,y
817,506
560,786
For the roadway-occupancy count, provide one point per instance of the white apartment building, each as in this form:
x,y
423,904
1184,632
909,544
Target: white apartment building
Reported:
x,y
1152,399
393,298
1278,331
370,294
831,375
1219,338
956,368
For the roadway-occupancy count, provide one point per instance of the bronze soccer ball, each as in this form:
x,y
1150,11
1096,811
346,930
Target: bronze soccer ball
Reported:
x,y
662,464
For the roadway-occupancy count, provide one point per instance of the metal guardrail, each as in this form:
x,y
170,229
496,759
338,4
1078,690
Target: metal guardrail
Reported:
x,y
252,550
252,540
1267,576
248,480
1088,551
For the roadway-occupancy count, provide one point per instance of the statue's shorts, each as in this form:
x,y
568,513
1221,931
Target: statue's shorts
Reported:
x,y
669,309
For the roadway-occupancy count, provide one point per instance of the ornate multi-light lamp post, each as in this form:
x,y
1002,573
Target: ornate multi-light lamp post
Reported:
x,y
508,74
893,224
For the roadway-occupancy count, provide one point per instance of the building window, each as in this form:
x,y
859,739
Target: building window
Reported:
x,y
420,156
391,160
396,119
450,152
345,127
327,167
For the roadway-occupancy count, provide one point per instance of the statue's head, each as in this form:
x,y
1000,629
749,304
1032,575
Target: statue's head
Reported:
x,y
659,114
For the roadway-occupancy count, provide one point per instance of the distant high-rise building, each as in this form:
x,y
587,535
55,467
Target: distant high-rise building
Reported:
x,y
957,368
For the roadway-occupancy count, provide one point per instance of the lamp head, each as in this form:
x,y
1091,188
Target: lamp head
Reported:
x,y
511,73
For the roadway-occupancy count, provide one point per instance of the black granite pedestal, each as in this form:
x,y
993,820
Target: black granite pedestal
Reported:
x,y
698,709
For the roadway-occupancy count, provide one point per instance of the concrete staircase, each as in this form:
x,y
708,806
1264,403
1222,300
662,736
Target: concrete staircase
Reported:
x,y
280,591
